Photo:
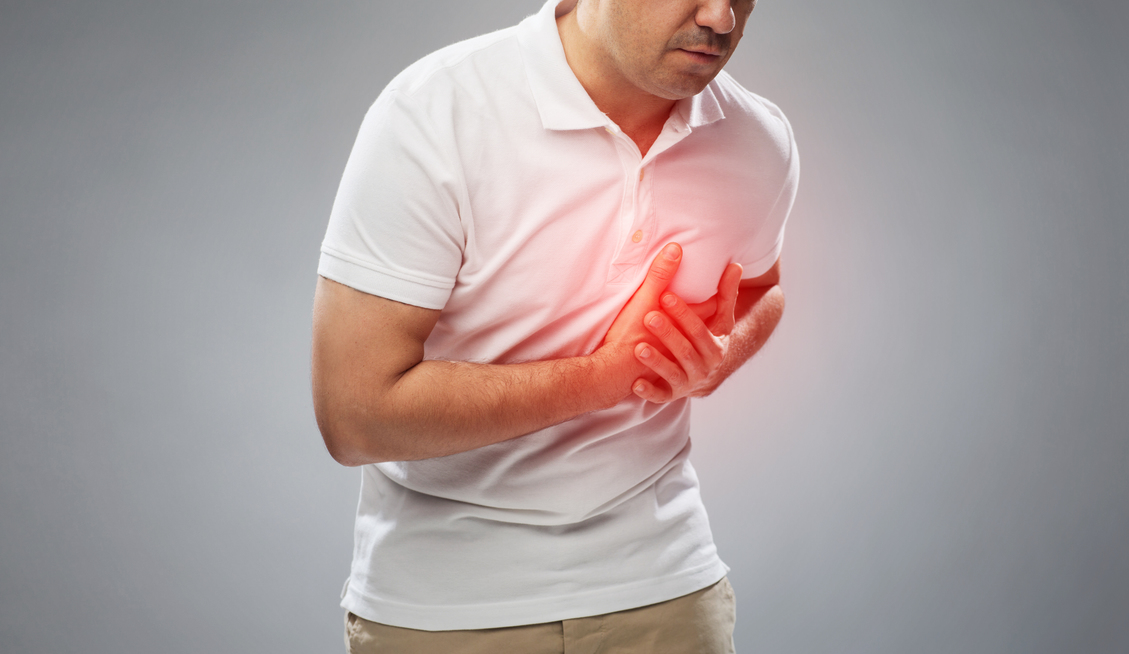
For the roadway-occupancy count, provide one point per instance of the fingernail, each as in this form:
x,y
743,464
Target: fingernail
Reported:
x,y
655,321
668,300
644,353
672,252
639,388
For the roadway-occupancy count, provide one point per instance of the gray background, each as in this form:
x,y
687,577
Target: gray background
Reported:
x,y
930,456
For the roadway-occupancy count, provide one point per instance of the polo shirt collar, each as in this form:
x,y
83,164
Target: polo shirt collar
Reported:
x,y
561,100
701,109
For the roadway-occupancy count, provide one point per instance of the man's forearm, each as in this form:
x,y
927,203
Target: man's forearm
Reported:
x,y
758,311
377,399
438,408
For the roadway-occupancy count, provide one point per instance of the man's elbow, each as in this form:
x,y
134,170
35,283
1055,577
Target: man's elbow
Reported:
x,y
343,451
349,444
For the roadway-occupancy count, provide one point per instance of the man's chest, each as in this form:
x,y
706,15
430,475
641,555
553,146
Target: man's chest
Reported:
x,y
556,246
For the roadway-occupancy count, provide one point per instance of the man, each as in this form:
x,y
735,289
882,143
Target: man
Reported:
x,y
506,336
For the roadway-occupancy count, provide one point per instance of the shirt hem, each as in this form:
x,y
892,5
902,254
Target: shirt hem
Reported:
x,y
532,611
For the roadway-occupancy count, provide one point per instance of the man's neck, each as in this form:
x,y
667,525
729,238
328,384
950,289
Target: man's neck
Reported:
x,y
639,114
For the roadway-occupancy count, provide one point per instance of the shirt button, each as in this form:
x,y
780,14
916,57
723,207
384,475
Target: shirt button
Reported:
x,y
637,236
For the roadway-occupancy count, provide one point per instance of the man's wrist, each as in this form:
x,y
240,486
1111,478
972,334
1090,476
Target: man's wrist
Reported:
x,y
615,364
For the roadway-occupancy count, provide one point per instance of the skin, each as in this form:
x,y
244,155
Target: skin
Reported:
x,y
636,58
376,398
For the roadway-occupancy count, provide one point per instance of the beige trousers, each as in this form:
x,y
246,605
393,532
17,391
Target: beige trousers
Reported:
x,y
698,623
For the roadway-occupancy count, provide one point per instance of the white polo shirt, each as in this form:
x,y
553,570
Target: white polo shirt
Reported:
x,y
484,182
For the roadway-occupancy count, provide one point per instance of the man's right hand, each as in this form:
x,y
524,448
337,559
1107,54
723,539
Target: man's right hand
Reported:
x,y
627,330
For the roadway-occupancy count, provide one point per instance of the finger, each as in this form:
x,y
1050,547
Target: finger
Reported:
x,y
705,310
666,369
727,289
628,328
703,341
662,271
651,392
683,350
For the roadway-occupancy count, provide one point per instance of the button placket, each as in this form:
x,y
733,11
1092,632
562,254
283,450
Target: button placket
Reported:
x,y
625,218
640,224
635,223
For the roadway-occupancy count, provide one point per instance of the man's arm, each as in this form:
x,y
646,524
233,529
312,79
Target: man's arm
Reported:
x,y
376,399
706,352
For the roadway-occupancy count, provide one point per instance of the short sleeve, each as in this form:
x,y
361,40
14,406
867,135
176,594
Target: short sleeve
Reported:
x,y
395,228
770,242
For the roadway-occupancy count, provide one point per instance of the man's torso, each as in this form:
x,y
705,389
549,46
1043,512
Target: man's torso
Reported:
x,y
482,184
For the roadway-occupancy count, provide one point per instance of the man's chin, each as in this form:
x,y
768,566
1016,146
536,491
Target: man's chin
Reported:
x,y
684,86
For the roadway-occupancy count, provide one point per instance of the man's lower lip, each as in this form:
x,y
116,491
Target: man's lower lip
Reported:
x,y
702,56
